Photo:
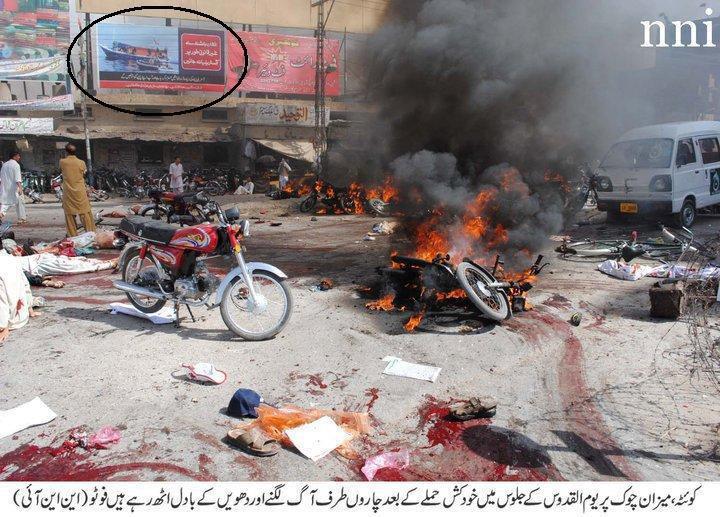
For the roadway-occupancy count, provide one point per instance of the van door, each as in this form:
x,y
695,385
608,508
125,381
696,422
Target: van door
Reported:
x,y
688,169
709,193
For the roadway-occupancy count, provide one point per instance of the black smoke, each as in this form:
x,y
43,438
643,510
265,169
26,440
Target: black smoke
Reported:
x,y
473,91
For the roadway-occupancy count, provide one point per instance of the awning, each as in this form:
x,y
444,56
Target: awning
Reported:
x,y
296,149
152,134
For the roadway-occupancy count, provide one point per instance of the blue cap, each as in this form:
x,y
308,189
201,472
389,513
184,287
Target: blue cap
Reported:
x,y
244,404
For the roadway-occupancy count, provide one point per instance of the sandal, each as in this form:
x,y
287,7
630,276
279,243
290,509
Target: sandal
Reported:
x,y
253,442
476,407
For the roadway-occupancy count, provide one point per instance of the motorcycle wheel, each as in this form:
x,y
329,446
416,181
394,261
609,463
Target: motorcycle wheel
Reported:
x,y
156,213
378,206
239,316
493,303
130,271
308,204
213,188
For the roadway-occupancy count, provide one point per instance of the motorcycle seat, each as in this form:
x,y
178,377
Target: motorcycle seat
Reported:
x,y
148,229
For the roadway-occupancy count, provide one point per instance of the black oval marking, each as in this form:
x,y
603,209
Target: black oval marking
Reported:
x,y
157,8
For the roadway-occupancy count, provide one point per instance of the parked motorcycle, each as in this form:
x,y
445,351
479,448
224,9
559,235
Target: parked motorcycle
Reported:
x,y
188,208
56,185
165,263
93,194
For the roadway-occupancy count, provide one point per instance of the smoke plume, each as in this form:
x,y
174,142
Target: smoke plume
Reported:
x,y
504,97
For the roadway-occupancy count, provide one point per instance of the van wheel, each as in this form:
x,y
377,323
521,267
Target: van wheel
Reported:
x,y
687,215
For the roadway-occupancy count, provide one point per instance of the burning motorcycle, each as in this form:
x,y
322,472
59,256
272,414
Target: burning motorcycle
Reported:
x,y
187,208
165,263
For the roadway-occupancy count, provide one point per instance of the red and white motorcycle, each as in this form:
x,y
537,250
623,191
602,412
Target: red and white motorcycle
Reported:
x,y
165,263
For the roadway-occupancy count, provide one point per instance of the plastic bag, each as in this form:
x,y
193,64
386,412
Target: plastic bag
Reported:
x,y
105,436
388,460
274,421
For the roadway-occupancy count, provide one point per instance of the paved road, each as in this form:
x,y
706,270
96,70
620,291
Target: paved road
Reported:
x,y
606,401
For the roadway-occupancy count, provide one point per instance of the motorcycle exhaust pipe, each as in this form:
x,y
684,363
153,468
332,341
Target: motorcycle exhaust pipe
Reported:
x,y
140,291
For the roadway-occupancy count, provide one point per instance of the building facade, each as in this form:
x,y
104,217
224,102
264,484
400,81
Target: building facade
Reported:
x,y
275,122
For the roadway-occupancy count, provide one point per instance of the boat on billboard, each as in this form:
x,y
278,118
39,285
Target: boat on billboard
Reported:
x,y
160,58
282,64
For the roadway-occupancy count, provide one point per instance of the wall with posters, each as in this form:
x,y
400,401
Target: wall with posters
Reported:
x,y
282,64
160,58
34,33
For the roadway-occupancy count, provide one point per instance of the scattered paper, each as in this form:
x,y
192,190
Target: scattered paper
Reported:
x,y
162,317
318,438
400,368
26,415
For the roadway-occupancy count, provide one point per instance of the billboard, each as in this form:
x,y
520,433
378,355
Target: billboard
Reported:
x,y
160,58
282,64
33,34
266,114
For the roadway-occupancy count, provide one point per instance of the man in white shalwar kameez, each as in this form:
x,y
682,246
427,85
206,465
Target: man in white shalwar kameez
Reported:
x,y
15,297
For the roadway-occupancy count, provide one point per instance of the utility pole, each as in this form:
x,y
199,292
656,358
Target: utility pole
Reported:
x,y
84,50
320,142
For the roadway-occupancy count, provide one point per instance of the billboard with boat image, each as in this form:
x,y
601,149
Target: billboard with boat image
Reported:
x,y
160,58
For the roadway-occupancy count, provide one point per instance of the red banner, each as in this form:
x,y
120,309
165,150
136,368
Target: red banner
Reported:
x,y
281,64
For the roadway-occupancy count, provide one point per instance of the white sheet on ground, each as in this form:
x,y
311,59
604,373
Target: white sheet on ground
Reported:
x,y
162,317
634,272
25,415
400,368
318,438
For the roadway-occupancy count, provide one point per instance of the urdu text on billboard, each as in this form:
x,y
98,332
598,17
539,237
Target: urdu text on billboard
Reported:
x,y
34,38
282,64
160,58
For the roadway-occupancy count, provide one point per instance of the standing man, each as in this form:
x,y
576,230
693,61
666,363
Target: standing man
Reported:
x,y
75,200
176,174
11,189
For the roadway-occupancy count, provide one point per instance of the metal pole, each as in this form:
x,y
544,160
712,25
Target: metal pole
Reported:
x,y
83,106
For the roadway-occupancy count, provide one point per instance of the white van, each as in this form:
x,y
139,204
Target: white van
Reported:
x,y
662,170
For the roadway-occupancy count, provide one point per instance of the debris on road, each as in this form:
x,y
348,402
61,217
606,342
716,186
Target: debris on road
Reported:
x,y
476,407
25,415
244,404
576,319
253,442
319,438
389,460
162,317
103,437
205,373
324,285
400,368
274,422
383,228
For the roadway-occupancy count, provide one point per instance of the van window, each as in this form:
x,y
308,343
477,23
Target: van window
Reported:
x,y
710,150
651,153
685,152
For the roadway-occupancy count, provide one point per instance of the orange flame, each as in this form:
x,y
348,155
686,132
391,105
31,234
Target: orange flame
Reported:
x,y
383,304
414,322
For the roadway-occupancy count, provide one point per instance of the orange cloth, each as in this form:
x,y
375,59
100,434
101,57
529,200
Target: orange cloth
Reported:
x,y
75,200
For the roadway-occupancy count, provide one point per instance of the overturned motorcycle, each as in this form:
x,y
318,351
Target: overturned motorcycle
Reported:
x,y
165,263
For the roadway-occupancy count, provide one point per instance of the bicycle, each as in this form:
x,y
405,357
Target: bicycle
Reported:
x,y
669,247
